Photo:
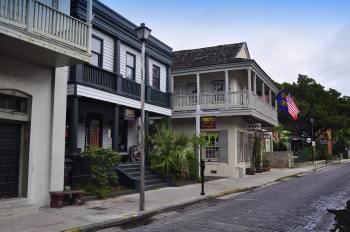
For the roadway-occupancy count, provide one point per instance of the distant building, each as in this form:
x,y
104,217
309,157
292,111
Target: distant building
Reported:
x,y
225,80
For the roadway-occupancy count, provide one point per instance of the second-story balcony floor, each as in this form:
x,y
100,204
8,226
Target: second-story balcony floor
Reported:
x,y
42,34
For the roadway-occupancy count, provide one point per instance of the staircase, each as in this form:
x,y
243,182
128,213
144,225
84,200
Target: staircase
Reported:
x,y
129,175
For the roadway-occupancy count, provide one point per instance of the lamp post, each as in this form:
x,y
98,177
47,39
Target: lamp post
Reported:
x,y
313,142
143,34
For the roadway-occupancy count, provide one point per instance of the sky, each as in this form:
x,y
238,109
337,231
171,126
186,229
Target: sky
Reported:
x,y
286,37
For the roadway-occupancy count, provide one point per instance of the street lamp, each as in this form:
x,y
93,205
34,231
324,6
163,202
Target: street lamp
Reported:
x,y
143,34
313,141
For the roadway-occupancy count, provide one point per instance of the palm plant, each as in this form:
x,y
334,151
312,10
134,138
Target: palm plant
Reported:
x,y
170,152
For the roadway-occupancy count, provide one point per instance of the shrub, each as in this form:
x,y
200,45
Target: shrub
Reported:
x,y
101,162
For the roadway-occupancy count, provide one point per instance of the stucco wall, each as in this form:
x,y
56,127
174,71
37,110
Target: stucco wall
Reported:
x,y
37,81
280,159
233,125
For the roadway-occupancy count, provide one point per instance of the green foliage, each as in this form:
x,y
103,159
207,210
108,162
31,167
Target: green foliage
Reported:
x,y
171,153
101,163
328,108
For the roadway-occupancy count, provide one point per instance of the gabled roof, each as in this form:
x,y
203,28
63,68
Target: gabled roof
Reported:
x,y
222,54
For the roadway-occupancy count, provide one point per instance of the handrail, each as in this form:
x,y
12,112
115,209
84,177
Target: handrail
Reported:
x,y
36,17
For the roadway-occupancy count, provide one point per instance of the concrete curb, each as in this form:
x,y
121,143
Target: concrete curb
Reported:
x,y
142,215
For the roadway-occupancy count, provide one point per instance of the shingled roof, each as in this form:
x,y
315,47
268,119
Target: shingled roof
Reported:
x,y
222,54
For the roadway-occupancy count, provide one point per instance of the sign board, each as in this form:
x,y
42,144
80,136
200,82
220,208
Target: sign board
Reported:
x,y
254,127
208,122
129,114
257,126
260,135
313,143
267,135
308,140
323,141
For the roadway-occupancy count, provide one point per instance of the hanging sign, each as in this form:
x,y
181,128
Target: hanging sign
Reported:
x,y
208,122
129,114
254,127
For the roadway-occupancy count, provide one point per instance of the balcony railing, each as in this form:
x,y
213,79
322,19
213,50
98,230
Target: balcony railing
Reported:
x,y
157,97
218,101
45,21
210,101
99,78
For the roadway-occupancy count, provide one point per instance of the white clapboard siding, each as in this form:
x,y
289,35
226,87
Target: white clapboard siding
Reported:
x,y
163,78
123,50
108,50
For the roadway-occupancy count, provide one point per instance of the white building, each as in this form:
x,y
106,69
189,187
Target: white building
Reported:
x,y
224,80
38,38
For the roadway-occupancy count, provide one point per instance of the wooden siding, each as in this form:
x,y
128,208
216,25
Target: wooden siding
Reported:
x,y
108,50
123,50
163,77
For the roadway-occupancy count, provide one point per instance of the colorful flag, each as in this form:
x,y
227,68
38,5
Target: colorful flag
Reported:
x,y
292,108
281,101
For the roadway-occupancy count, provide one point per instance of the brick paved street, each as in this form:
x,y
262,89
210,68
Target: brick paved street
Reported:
x,y
296,204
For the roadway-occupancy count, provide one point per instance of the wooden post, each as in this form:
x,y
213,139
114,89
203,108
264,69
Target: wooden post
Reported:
x,y
227,102
249,70
115,134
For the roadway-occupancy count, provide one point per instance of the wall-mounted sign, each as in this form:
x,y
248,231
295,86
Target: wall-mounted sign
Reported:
x,y
267,135
208,122
129,115
254,127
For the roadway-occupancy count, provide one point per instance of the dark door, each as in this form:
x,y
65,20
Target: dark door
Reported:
x,y
10,137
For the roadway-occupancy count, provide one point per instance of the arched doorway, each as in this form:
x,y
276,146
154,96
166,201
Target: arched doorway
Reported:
x,y
15,109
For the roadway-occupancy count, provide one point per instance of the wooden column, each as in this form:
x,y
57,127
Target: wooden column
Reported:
x,y
263,90
198,88
227,95
254,82
74,118
249,70
146,123
270,97
115,129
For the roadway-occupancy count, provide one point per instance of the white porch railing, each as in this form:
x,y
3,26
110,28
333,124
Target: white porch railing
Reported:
x,y
46,21
217,101
210,101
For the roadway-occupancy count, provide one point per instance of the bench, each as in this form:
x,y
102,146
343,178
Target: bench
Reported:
x,y
58,197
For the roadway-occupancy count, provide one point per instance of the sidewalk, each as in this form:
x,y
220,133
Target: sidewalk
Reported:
x,y
97,214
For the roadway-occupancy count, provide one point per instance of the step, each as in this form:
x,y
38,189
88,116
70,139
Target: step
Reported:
x,y
122,165
16,207
136,174
153,182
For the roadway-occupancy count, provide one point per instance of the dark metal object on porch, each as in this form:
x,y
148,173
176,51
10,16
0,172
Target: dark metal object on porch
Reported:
x,y
59,198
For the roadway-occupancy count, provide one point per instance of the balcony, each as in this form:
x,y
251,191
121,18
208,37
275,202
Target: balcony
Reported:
x,y
232,103
98,78
42,34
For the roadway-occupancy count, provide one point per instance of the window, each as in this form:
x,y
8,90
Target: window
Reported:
x,y
218,88
191,89
245,144
13,103
96,51
130,66
156,77
211,151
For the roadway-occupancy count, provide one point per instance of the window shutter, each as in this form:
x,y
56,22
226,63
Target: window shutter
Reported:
x,y
223,146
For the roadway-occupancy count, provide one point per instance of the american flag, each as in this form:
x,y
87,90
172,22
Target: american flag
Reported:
x,y
292,108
